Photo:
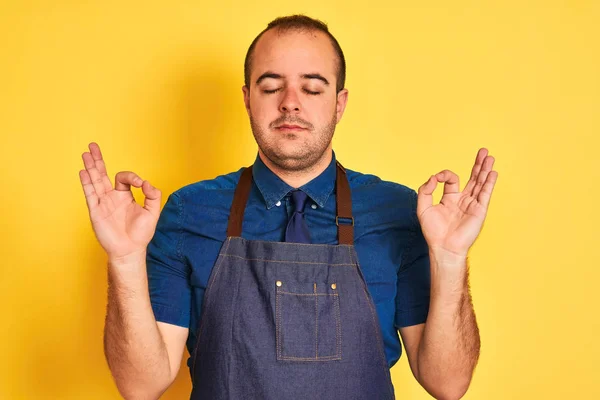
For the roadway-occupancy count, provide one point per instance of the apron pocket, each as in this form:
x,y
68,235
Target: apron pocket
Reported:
x,y
307,322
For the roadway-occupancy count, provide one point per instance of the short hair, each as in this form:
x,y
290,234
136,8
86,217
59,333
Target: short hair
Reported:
x,y
300,23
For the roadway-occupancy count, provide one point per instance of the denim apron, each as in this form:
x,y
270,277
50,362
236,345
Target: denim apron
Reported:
x,y
289,320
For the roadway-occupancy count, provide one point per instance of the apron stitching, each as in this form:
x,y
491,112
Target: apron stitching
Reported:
x,y
338,327
373,311
298,244
377,331
208,287
289,262
322,358
309,294
350,255
233,321
278,324
316,323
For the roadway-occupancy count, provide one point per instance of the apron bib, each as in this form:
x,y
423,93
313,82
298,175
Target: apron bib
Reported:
x,y
289,320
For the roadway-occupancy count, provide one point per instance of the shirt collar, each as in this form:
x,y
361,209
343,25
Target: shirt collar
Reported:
x,y
273,189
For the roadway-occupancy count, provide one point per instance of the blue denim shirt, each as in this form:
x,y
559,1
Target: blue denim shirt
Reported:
x,y
392,251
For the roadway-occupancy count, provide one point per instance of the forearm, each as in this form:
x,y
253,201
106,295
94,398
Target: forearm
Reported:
x,y
134,349
449,348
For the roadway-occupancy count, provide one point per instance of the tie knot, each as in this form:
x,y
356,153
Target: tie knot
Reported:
x,y
299,199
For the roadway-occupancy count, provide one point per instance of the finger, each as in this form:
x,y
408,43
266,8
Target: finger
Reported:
x,y
481,154
99,161
486,191
488,163
88,189
451,181
152,198
425,194
96,179
125,179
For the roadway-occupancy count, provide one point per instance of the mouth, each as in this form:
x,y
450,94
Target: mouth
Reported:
x,y
290,128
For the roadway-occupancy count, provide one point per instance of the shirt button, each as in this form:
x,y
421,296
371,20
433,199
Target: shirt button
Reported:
x,y
314,206
278,203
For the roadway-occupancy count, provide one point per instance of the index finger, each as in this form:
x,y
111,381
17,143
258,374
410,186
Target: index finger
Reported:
x,y
481,154
100,166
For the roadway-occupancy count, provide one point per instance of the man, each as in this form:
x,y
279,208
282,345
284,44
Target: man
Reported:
x,y
290,278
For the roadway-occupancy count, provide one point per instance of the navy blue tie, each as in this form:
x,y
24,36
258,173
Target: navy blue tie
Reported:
x,y
296,230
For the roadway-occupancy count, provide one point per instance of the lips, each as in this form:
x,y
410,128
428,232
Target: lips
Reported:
x,y
287,127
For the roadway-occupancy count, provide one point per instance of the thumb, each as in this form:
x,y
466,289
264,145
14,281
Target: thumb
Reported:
x,y
152,198
125,179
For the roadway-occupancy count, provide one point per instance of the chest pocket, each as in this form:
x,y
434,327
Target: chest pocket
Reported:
x,y
307,321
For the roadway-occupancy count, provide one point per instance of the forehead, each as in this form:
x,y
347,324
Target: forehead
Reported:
x,y
294,53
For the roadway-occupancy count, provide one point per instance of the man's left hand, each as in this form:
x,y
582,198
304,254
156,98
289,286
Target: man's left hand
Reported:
x,y
452,226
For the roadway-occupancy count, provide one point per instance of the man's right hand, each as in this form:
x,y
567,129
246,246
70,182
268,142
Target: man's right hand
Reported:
x,y
123,227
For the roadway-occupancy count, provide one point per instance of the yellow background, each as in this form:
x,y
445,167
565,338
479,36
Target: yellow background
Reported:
x,y
157,85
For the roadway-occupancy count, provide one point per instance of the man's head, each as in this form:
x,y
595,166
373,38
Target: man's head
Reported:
x,y
294,76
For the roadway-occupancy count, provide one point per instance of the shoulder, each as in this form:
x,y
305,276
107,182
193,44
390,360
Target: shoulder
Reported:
x,y
207,197
381,202
203,207
222,185
369,183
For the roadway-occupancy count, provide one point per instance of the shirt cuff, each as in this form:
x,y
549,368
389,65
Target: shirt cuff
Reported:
x,y
414,316
171,315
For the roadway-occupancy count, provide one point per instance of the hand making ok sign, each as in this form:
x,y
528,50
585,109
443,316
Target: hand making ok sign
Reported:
x,y
454,223
122,226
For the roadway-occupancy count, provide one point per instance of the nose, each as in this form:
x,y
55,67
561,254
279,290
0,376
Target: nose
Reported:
x,y
290,103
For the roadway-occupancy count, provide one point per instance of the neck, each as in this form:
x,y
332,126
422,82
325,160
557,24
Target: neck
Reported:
x,y
298,178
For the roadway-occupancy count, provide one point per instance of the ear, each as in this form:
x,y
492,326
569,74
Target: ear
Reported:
x,y
342,100
246,92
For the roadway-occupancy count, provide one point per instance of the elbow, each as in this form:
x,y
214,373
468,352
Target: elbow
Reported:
x,y
132,387
136,383
452,394
449,390
140,393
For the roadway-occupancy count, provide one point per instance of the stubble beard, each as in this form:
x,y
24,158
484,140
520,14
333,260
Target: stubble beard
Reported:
x,y
310,146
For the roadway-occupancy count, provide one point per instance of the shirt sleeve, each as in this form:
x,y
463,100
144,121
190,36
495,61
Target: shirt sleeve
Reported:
x,y
168,282
414,276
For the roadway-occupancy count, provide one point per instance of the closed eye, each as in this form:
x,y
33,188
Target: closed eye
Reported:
x,y
305,90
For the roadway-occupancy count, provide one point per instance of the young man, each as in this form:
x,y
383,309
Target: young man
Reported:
x,y
290,278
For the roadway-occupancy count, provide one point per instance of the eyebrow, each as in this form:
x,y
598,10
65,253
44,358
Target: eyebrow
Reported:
x,y
273,75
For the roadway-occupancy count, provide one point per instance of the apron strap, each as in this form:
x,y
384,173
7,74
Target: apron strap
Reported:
x,y
343,200
344,207
240,198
